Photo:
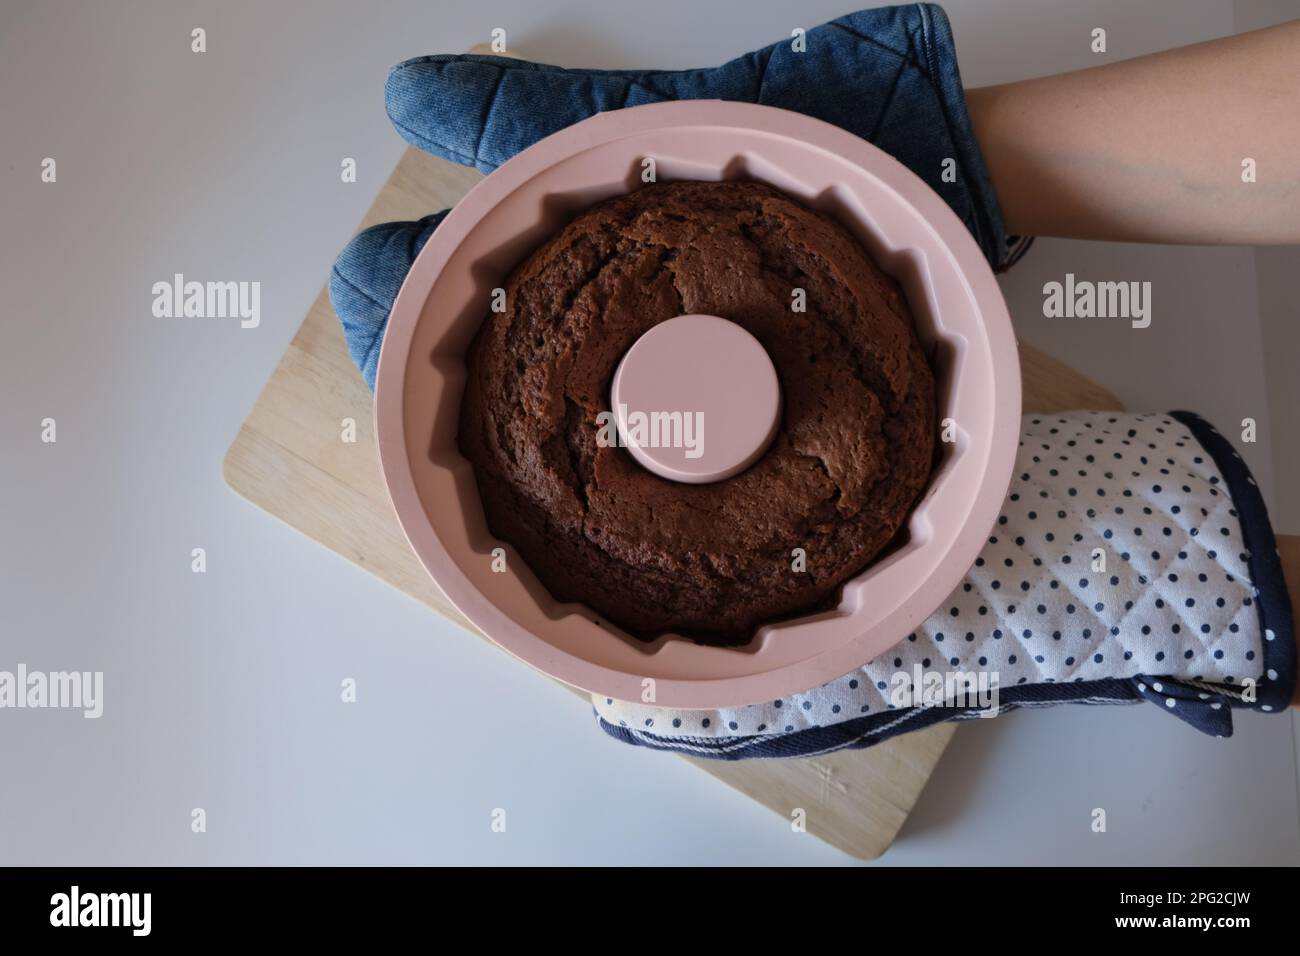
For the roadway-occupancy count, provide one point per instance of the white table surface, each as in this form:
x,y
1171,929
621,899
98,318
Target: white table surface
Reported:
x,y
222,689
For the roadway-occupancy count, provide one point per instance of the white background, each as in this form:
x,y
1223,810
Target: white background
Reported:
x,y
223,689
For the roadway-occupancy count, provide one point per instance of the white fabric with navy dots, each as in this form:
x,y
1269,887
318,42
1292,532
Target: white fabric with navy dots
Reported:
x,y
1175,599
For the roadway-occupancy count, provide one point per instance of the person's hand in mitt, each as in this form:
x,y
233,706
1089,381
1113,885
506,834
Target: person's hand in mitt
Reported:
x,y
1133,559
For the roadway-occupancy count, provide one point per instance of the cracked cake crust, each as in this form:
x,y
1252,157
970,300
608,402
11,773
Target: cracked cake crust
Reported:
x,y
712,562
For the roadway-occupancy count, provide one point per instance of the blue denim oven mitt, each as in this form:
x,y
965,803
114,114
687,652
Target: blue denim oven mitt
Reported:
x,y
887,75
890,75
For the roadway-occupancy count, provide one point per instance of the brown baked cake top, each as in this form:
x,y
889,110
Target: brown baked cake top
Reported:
x,y
712,561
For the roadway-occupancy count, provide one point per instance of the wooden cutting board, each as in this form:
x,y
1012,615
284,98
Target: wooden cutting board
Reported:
x,y
290,460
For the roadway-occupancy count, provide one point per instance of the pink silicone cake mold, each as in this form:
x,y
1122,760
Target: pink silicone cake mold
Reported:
x,y
908,230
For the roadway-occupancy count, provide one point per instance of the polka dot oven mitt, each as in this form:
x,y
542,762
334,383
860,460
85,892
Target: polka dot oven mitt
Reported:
x,y
1133,561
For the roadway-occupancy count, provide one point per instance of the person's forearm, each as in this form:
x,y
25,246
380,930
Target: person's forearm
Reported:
x,y
1152,149
1288,548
